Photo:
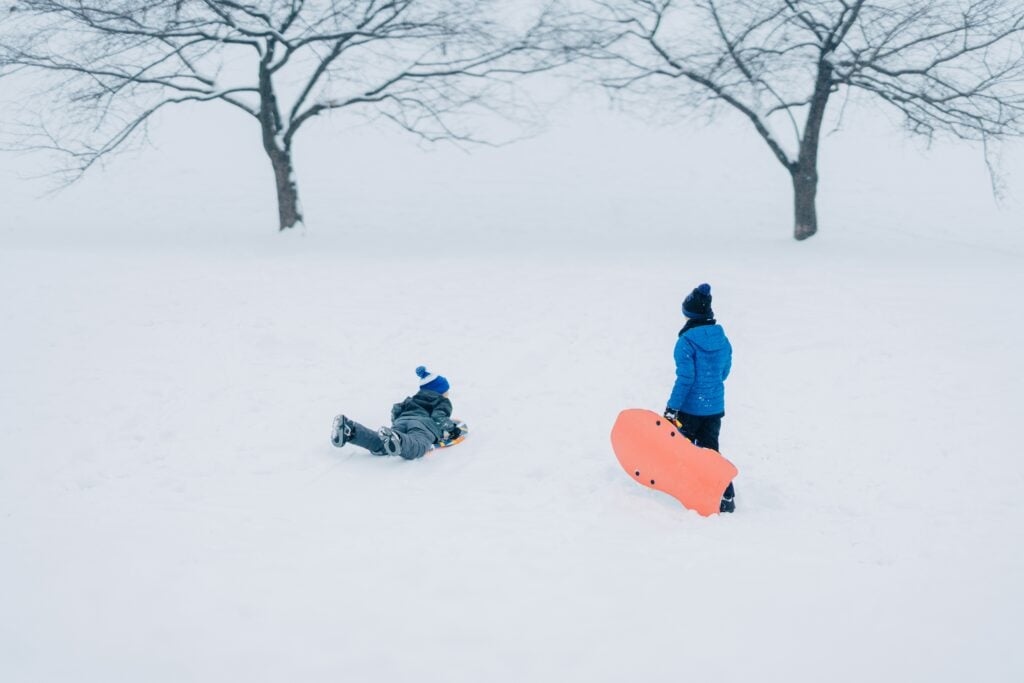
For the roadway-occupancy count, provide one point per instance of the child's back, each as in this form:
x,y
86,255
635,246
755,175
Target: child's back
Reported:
x,y
427,408
703,358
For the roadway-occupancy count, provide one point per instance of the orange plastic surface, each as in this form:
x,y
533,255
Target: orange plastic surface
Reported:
x,y
655,454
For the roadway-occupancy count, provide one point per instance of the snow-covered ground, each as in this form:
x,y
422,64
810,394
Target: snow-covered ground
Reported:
x,y
171,508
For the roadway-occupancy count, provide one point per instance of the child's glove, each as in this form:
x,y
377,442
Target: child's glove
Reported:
x,y
672,415
451,431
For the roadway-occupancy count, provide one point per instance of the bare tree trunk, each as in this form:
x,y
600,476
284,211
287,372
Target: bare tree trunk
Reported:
x,y
805,192
278,148
289,210
805,170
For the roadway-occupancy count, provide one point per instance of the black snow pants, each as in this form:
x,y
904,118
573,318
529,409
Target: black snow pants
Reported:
x,y
703,431
416,439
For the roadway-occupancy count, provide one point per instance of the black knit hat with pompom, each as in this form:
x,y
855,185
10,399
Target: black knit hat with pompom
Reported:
x,y
697,305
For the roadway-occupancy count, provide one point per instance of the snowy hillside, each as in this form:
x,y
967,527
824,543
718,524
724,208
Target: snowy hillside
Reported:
x,y
172,510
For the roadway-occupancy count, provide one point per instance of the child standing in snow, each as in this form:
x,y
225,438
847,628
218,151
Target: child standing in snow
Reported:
x,y
417,423
703,359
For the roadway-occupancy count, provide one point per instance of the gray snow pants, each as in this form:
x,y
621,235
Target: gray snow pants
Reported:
x,y
416,439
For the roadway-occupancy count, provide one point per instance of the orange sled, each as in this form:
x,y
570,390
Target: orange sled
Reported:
x,y
654,453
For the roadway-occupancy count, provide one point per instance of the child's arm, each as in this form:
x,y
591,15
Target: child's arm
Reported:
x,y
728,362
442,416
685,372
442,411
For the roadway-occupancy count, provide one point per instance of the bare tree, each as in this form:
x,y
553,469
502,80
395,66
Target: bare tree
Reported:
x,y
949,66
117,63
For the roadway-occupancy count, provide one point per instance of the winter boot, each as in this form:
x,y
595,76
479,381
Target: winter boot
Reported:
x,y
727,505
342,431
391,440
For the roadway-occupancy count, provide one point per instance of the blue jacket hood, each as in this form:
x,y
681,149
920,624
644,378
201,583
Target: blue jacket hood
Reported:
x,y
707,337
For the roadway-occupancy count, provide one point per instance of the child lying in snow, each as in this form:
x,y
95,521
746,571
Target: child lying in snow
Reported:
x,y
417,423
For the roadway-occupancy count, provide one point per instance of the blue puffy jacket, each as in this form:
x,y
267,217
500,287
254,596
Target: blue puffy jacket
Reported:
x,y
703,360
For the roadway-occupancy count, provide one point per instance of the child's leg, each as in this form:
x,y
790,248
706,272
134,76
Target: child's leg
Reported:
x,y
707,437
416,439
700,429
366,438
704,432
707,431
688,426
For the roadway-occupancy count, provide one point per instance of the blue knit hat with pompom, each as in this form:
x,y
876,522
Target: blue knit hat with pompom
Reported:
x,y
431,381
698,304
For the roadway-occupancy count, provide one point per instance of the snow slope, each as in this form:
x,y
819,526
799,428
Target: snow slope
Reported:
x,y
171,508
